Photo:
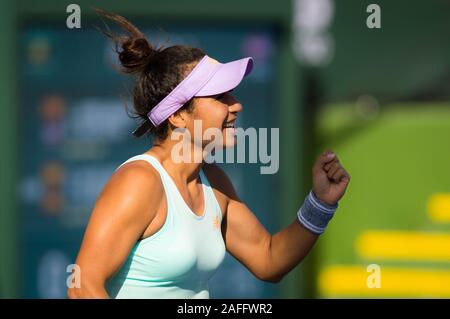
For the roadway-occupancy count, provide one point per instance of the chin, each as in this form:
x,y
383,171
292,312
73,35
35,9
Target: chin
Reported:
x,y
229,138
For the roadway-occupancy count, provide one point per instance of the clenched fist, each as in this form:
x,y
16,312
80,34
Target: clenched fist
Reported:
x,y
330,179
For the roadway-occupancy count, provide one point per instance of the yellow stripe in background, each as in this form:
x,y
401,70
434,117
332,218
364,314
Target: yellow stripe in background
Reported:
x,y
438,208
404,246
351,281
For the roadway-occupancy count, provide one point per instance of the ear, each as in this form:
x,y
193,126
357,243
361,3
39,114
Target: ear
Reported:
x,y
178,119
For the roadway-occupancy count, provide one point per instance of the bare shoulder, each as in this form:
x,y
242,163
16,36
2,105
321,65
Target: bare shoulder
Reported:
x,y
138,169
127,204
137,176
220,181
133,191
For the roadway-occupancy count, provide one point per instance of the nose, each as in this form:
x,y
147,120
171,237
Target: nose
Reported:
x,y
233,104
235,107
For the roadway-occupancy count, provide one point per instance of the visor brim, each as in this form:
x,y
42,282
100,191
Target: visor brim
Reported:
x,y
227,77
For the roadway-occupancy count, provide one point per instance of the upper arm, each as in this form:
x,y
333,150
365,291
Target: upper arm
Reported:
x,y
245,237
125,207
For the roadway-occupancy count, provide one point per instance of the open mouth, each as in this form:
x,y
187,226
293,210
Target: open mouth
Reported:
x,y
229,125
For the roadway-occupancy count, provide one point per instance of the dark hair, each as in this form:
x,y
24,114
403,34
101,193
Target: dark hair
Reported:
x,y
158,70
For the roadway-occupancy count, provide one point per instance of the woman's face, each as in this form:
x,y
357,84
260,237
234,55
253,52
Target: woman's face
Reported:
x,y
217,115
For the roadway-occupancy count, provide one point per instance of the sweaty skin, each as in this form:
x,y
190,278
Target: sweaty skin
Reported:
x,y
132,206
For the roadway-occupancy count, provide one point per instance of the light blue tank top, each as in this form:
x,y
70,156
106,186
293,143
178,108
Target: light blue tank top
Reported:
x,y
179,259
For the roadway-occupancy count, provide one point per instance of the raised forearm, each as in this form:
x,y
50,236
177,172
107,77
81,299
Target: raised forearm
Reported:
x,y
289,246
287,249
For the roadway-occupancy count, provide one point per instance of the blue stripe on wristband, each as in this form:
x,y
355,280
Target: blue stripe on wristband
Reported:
x,y
314,214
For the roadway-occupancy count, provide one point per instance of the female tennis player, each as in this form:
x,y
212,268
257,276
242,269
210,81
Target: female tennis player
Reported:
x,y
160,227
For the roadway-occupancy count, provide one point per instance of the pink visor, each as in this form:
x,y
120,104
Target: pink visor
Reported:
x,y
209,77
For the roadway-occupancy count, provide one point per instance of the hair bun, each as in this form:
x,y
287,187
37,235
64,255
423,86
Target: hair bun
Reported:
x,y
135,54
134,50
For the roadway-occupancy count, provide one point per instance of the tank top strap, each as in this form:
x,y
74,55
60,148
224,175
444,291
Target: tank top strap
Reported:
x,y
165,178
172,192
209,192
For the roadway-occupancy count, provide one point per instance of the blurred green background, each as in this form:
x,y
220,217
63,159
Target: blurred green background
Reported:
x,y
378,97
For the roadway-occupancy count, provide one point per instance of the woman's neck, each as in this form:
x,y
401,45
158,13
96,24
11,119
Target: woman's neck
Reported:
x,y
182,163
